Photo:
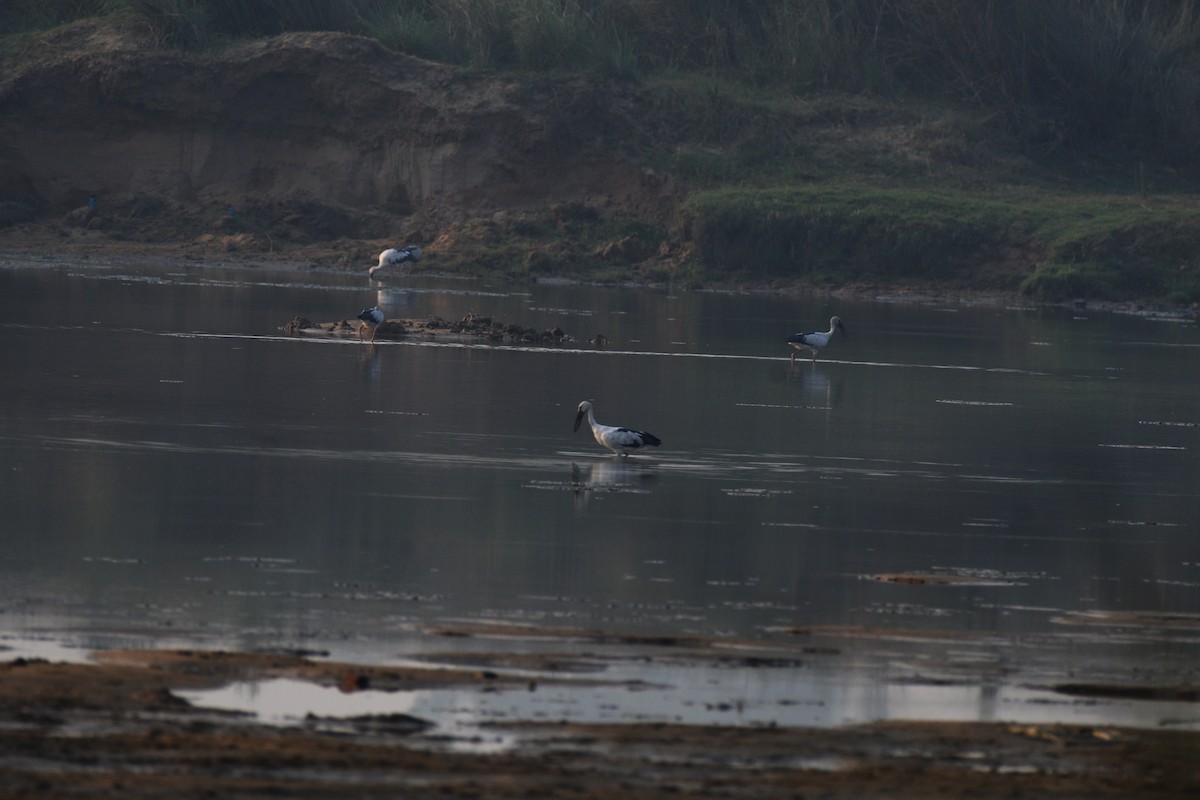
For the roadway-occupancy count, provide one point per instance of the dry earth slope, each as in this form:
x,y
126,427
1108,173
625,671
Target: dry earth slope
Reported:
x,y
318,118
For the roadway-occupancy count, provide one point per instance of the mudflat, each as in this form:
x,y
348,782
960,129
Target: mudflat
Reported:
x,y
117,725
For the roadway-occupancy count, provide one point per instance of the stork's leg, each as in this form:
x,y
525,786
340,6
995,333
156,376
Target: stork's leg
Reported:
x,y
374,331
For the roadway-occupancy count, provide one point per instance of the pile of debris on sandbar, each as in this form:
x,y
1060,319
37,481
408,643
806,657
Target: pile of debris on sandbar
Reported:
x,y
471,326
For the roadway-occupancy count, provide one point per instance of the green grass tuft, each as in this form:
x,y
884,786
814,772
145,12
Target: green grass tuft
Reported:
x,y
1097,247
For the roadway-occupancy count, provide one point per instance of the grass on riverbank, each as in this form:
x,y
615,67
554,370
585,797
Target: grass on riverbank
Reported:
x,y
1050,246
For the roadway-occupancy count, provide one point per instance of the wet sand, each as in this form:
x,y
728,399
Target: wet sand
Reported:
x,y
117,725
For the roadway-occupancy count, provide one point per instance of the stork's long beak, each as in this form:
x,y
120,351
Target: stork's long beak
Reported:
x,y
578,419
842,328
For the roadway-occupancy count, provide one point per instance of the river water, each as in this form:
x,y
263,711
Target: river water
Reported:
x,y
175,469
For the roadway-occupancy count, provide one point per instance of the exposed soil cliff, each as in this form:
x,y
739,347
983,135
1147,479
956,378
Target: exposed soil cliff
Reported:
x,y
332,133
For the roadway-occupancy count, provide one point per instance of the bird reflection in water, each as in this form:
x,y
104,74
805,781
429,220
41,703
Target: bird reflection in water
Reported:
x,y
818,389
392,298
370,366
610,476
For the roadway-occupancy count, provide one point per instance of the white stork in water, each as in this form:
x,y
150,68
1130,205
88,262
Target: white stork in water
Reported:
x,y
392,257
371,317
619,440
815,340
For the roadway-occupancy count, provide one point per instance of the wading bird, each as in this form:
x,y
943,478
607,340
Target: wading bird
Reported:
x,y
392,258
815,340
371,317
619,440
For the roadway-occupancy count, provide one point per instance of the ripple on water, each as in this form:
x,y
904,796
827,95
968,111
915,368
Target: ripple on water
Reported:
x,y
973,403
1143,446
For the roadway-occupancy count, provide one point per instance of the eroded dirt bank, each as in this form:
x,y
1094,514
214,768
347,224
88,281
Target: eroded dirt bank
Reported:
x,y
327,118
117,728
306,147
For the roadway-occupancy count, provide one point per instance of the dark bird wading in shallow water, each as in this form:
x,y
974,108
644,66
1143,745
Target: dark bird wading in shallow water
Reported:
x,y
815,340
619,440
372,318
393,258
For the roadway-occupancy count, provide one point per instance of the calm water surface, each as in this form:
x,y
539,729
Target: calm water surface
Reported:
x,y
175,468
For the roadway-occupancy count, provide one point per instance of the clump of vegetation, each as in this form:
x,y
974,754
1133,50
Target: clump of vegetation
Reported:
x,y
1135,253
839,233
1106,247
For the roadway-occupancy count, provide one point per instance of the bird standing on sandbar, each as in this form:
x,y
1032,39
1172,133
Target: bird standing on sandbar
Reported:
x,y
619,440
371,317
815,340
392,257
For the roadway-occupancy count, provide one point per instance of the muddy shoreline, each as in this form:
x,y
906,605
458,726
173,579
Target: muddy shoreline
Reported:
x,y
89,251
117,725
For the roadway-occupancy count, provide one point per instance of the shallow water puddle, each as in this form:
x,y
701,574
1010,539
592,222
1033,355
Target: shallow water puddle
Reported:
x,y
783,693
13,648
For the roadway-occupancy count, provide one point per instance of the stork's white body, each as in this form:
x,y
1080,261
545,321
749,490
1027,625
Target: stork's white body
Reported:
x,y
620,440
815,340
392,257
371,317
